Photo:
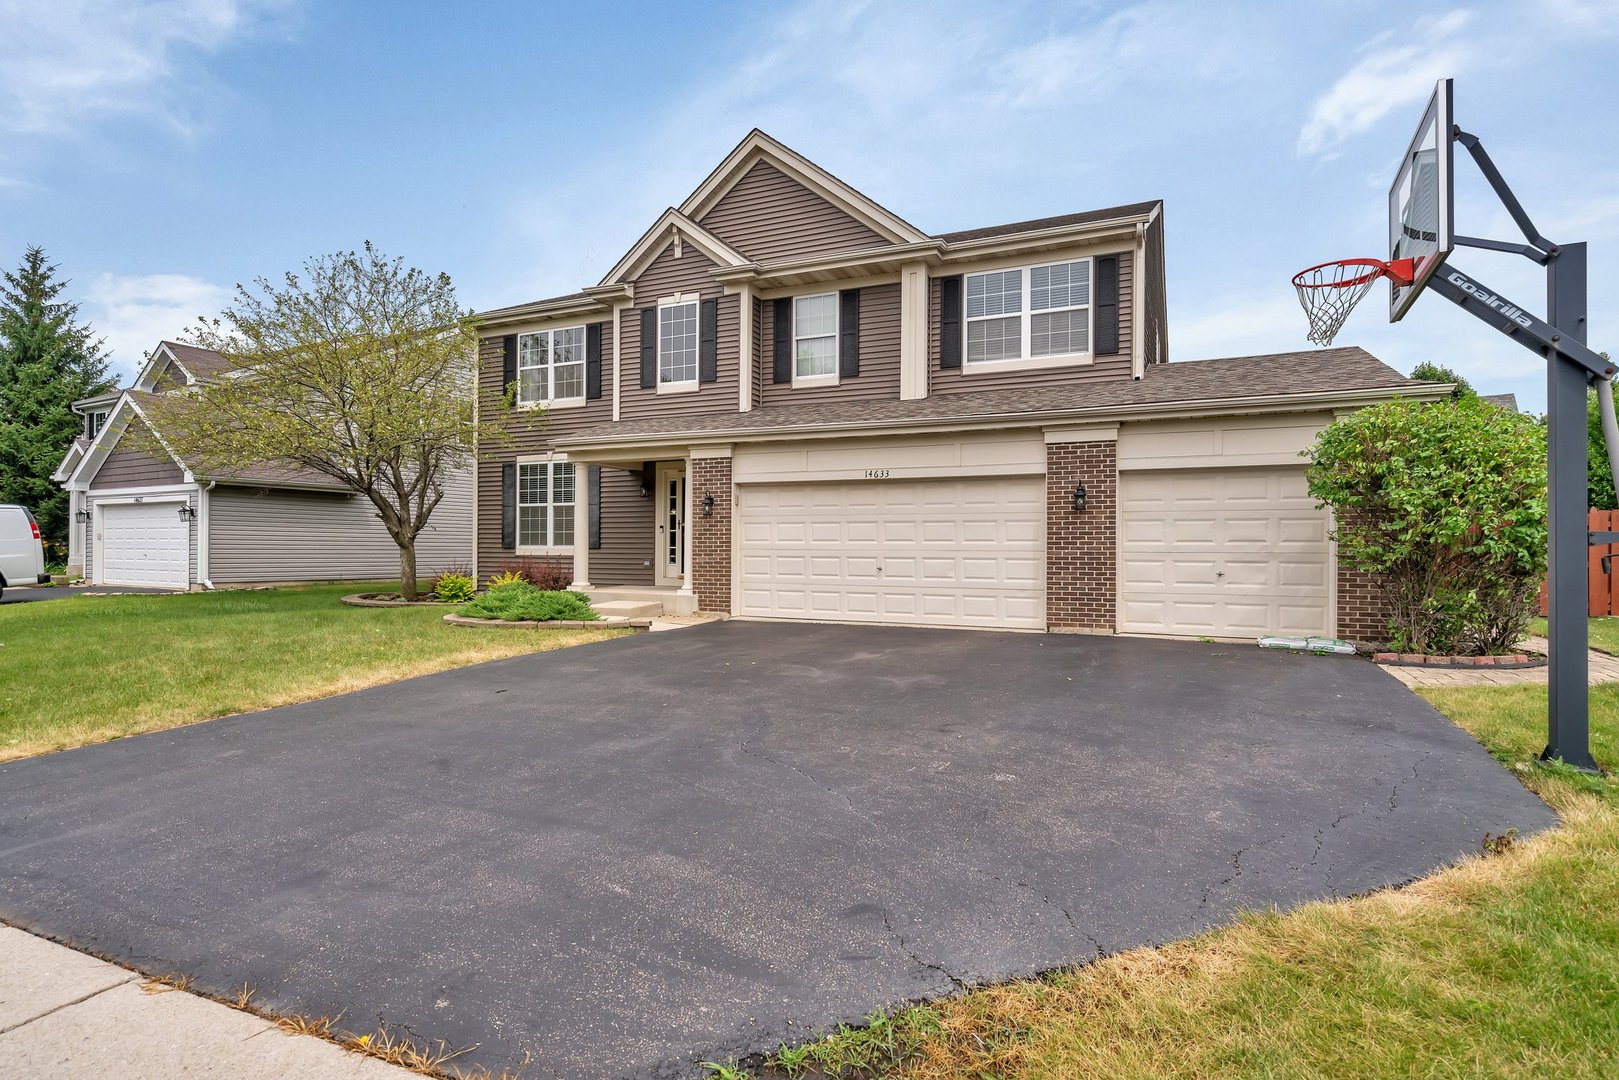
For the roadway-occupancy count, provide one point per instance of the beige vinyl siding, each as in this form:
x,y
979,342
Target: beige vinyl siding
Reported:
x,y
770,217
625,557
270,534
1112,366
90,539
879,355
691,272
131,467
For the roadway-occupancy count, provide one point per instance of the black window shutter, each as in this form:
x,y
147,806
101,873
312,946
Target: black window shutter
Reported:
x,y
950,322
649,348
508,505
781,334
708,335
508,372
593,360
1107,306
595,507
89,425
848,333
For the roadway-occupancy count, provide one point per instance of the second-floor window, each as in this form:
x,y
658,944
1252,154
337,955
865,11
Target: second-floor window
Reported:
x,y
1028,313
677,343
545,500
815,337
551,365
93,423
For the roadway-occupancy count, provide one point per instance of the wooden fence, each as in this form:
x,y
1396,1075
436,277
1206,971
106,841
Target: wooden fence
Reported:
x,y
1602,590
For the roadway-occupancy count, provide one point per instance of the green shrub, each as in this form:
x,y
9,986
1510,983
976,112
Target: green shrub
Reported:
x,y
454,589
1445,503
522,602
507,577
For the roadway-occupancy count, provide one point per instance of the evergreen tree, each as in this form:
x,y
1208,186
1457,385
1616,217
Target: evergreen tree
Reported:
x,y
48,360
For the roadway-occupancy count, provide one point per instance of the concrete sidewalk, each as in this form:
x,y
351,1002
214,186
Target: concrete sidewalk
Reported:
x,y
63,1013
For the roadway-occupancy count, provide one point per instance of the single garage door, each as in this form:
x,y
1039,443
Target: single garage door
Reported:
x,y
1222,553
928,552
144,544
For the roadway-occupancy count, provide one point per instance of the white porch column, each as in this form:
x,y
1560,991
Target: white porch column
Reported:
x,y
913,331
581,527
685,539
75,533
749,362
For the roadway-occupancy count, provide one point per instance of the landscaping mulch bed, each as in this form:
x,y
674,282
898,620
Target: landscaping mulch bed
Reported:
x,y
1508,661
367,599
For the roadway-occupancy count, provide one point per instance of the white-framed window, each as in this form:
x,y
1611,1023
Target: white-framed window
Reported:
x,y
551,365
677,343
1029,313
98,420
545,501
815,338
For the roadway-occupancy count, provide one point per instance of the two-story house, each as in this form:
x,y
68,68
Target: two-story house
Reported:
x,y
787,402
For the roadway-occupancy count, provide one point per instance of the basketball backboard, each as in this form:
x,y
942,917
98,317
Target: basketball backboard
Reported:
x,y
1420,224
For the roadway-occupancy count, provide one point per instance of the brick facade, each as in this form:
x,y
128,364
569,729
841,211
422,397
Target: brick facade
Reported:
x,y
711,534
1082,548
1363,614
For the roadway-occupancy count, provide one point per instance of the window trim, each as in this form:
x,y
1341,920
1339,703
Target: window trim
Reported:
x,y
683,386
550,368
549,547
1025,315
831,377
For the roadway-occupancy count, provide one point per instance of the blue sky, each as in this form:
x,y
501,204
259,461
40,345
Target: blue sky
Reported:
x,y
163,151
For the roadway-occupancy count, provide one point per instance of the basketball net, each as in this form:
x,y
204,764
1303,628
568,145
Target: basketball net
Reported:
x,y
1329,292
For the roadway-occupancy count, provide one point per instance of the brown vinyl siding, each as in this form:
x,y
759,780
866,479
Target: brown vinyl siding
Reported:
x,y
1112,366
1154,298
691,272
131,467
169,379
625,557
770,217
879,355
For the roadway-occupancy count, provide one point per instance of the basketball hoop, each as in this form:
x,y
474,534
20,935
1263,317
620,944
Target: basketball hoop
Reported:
x,y
1329,292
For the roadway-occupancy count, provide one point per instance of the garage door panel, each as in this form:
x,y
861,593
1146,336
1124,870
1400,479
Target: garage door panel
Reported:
x,y
948,552
1222,552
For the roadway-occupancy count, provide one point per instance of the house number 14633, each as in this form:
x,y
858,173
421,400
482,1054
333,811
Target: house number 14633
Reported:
x,y
876,474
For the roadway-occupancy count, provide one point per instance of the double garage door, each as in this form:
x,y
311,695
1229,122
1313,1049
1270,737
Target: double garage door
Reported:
x,y
926,552
143,544
1222,553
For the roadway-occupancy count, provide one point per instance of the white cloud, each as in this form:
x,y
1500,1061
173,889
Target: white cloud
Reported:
x,y
134,312
1272,323
1395,72
69,60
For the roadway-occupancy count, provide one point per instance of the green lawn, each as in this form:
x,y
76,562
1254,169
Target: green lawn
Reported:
x,y
1604,633
1504,966
89,668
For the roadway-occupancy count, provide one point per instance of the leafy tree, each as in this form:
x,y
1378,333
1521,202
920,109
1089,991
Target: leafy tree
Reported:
x,y
1446,503
360,370
48,360
1428,371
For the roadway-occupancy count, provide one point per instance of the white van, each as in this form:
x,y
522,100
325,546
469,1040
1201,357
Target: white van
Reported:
x,y
22,556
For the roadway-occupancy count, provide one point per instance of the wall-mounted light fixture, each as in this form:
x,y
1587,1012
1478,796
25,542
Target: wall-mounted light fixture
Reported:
x,y
81,515
1079,498
187,513
708,506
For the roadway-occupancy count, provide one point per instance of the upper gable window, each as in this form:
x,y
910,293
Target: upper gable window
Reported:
x,y
94,422
1029,313
815,338
677,345
551,365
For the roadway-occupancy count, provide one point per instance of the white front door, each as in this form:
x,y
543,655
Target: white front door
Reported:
x,y
669,506
1234,553
143,544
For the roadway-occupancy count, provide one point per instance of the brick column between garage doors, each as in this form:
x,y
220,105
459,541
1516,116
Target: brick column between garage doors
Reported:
x,y
711,534
1082,547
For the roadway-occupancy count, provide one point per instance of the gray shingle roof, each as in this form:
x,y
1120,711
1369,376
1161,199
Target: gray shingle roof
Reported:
x,y
1141,209
266,474
1509,402
202,363
1316,371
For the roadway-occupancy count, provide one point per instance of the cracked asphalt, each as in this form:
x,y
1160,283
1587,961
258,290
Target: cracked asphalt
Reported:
x,y
628,857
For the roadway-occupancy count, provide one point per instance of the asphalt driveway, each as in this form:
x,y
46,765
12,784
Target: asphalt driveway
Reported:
x,y
626,857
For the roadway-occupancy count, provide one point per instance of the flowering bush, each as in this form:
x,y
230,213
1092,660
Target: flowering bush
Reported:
x,y
548,575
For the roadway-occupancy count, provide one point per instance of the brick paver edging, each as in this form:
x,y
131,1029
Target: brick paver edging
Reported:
x,y
1509,661
611,622
372,600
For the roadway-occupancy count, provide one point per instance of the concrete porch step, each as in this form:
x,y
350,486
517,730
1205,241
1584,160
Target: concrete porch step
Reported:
x,y
629,609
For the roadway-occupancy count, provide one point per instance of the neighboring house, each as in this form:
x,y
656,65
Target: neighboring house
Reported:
x,y
1509,402
786,402
145,518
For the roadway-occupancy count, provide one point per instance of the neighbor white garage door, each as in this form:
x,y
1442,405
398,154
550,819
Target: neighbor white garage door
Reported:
x,y
1222,553
143,544
929,552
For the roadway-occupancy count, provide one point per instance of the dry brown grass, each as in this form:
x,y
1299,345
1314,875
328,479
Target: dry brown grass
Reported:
x,y
163,984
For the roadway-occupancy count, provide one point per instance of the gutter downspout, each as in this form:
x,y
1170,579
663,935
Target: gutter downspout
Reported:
x,y
202,535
